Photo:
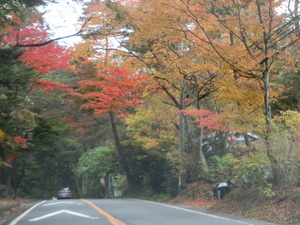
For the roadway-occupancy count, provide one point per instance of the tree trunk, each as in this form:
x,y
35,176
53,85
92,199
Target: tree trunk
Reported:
x,y
265,63
297,25
201,154
196,141
181,126
181,141
78,187
268,116
120,150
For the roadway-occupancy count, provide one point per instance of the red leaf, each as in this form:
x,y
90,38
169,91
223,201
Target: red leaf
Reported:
x,y
43,58
20,140
115,90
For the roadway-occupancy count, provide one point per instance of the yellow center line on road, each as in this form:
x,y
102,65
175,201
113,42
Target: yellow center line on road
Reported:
x,y
110,218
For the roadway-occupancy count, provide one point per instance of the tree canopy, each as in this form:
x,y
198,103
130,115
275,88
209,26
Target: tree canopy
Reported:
x,y
185,89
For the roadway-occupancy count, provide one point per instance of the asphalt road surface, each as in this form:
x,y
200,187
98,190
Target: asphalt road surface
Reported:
x,y
122,212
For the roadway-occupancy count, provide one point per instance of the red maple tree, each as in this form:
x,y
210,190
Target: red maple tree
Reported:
x,y
112,91
24,35
43,58
211,120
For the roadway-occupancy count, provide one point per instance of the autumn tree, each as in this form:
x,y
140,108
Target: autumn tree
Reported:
x,y
14,89
19,8
21,71
220,56
170,57
175,64
247,39
102,29
154,136
111,91
151,127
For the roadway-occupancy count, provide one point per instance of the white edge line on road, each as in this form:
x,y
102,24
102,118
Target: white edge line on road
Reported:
x,y
202,213
57,203
15,221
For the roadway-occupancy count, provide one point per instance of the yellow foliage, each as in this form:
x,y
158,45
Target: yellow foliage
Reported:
x,y
245,99
194,48
152,127
2,135
291,120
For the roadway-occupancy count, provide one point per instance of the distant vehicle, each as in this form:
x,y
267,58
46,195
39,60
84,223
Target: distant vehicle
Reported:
x,y
64,192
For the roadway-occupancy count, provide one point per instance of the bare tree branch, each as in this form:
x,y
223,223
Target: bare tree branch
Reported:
x,y
79,33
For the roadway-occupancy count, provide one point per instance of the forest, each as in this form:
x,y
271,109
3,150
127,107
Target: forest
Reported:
x,y
156,95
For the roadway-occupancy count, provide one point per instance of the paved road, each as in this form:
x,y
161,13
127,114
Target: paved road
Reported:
x,y
122,212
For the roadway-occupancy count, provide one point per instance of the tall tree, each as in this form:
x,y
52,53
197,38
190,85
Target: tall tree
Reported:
x,y
21,70
193,49
15,82
112,92
246,37
175,63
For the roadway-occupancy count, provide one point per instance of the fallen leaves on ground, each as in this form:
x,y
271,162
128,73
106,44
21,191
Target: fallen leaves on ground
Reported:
x,y
283,208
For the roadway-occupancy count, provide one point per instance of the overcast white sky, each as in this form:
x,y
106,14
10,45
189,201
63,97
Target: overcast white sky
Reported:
x,y
62,18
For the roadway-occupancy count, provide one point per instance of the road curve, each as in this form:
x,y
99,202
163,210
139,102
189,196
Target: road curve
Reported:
x,y
122,212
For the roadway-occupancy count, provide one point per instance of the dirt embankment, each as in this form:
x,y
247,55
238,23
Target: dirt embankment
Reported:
x,y
10,208
282,208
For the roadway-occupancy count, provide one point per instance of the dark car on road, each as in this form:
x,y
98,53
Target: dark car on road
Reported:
x,y
64,192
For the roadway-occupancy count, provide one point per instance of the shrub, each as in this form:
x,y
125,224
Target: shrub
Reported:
x,y
222,167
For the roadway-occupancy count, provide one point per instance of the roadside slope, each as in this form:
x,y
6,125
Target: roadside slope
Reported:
x,y
283,208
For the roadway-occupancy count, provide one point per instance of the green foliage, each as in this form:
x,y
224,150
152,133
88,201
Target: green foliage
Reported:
x,y
160,197
16,117
120,182
148,194
14,79
50,167
94,165
151,139
151,127
52,154
152,170
290,99
152,147
120,11
5,190
222,167
266,190
285,142
255,168
20,8
250,169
